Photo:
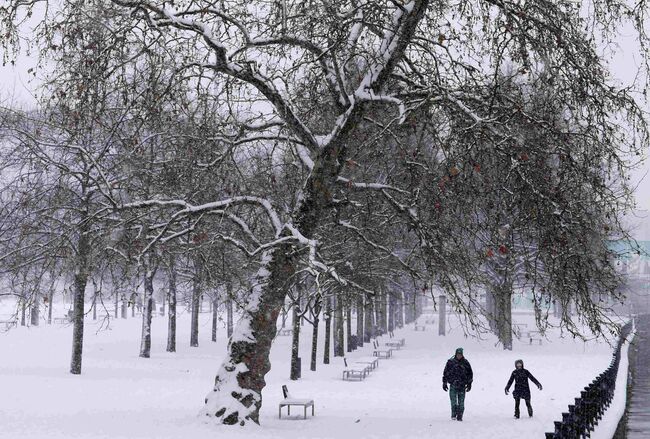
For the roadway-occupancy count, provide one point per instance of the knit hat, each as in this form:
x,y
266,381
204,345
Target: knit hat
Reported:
x,y
519,362
459,351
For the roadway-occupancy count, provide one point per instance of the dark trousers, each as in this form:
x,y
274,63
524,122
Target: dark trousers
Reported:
x,y
530,407
457,398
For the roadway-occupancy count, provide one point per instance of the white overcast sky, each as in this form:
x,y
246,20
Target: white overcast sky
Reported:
x,y
16,84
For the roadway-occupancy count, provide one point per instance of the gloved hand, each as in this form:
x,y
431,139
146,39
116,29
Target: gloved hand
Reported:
x,y
506,390
468,387
539,387
444,387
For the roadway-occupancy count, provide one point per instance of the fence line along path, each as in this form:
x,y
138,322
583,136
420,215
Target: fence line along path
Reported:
x,y
638,421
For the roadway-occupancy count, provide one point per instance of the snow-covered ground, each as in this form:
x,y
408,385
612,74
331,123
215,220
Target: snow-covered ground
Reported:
x,y
120,395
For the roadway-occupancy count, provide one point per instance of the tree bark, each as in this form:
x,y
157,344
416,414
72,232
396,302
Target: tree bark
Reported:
x,y
196,303
400,310
80,281
35,312
503,316
360,315
50,305
369,329
214,317
328,330
147,307
348,327
229,317
295,342
23,311
339,334
314,336
171,323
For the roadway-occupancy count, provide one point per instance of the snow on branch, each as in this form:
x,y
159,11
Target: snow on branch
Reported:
x,y
371,186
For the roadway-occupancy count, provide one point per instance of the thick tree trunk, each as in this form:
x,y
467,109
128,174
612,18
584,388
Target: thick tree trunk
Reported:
x,y
149,273
360,315
295,342
328,330
79,298
124,307
80,280
400,310
237,394
314,336
94,306
214,317
171,323
339,333
503,315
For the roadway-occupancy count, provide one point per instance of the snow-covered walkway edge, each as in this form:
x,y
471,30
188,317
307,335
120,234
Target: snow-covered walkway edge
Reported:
x,y
607,426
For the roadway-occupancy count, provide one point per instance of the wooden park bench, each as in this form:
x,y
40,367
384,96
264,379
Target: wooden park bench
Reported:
x,y
381,353
288,401
61,320
420,327
430,321
372,362
360,372
8,324
285,331
394,344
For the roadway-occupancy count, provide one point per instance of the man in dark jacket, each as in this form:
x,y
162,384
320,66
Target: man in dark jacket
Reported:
x,y
457,378
521,376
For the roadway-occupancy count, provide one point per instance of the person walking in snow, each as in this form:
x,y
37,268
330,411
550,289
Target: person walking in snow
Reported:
x,y
521,376
457,378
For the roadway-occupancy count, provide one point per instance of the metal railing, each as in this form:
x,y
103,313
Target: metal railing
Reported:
x,y
589,408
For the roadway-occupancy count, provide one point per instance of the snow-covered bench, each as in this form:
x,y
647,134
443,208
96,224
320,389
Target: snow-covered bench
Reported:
x,y
381,353
420,327
288,401
394,345
61,320
372,362
358,371
285,331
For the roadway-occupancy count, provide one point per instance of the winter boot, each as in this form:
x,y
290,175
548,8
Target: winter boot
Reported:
x,y
530,412
459,415
453,413
517,413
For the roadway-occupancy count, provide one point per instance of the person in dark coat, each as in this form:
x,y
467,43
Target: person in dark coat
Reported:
x,y
521,376
457,378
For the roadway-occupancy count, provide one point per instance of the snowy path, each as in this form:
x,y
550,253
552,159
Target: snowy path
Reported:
x,y
122,396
